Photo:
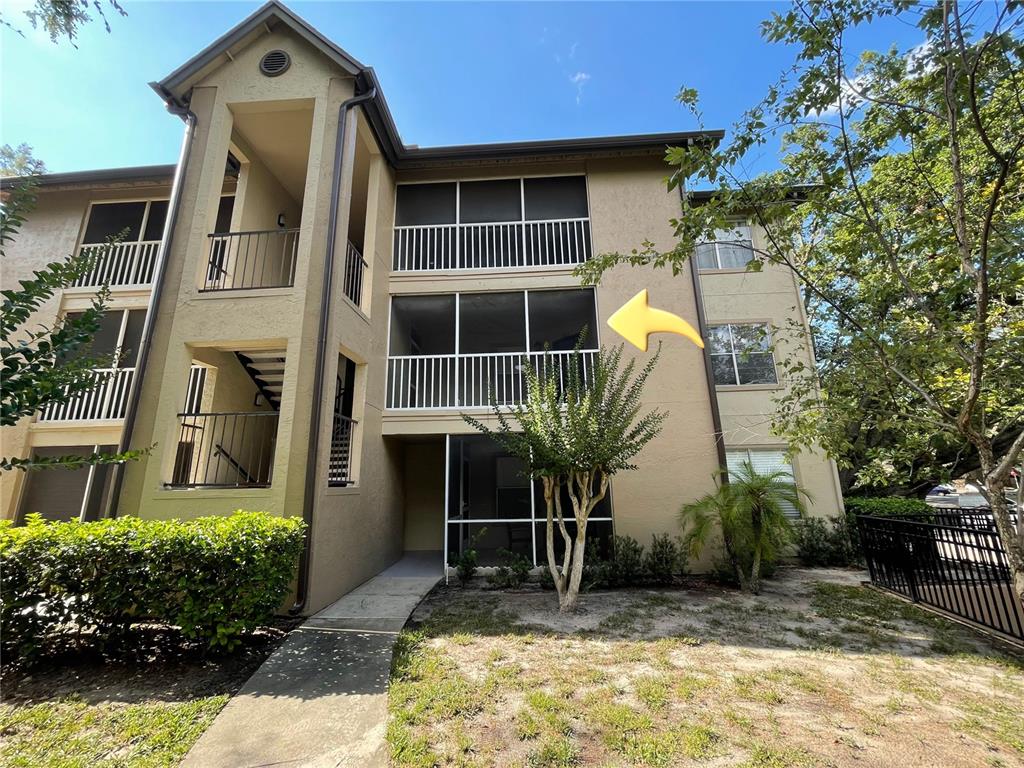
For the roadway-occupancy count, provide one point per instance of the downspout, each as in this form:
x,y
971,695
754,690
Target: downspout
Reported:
x,y
716,414
302,587
145,343
702,329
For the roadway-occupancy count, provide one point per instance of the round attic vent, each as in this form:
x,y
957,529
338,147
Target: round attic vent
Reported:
x,y
275,63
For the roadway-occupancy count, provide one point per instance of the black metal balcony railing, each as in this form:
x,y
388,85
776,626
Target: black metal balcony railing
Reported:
x,y
257,259
339,466
355,265
225,450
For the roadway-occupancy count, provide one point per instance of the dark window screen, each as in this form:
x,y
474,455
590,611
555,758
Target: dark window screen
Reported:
x,y
420,204
491,322
558,317
132,337
224,210
422,325
111,219
560,197
155,222
56,494
482,201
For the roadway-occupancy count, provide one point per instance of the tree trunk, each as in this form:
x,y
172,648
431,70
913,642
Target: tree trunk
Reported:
x,y
551,488
572,594
755,569
1012,538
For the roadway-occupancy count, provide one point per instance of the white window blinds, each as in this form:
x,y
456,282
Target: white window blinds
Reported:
x,y
764,462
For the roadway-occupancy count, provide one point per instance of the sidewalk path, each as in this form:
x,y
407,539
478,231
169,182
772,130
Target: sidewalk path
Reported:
x,y
321,698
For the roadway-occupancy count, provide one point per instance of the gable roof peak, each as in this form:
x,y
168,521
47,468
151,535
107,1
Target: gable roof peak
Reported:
x,y
262,21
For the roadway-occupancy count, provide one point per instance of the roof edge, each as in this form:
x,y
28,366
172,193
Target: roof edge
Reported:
x,y
100,176
261,16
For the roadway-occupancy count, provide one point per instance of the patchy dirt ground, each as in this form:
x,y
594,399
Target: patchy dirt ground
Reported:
x,y
817,671
143,706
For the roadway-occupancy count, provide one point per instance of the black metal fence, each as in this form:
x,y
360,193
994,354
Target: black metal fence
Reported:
x,y
951,559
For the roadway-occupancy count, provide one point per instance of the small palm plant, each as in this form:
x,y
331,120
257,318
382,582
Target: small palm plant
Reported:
x,y
750,511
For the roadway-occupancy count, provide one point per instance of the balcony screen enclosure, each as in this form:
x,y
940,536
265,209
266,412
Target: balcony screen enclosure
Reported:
x,y
496,223
458,350
492,505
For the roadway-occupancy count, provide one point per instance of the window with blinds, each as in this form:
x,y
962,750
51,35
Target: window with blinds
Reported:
x,y
731,249
764,462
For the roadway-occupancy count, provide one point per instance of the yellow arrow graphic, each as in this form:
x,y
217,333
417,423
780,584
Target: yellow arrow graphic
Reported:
x,y
635,321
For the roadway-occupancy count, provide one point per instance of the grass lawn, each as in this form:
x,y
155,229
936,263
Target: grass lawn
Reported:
x,y
817,671
77,710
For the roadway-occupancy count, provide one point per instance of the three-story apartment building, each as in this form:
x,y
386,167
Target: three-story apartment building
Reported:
x,y
304,306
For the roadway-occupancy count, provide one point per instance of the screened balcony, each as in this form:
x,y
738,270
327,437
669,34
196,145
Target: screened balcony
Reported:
x,y
493,224
460,350
115,344
138,226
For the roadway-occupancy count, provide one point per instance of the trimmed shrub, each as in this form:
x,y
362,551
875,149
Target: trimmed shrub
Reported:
x,y
824,542
885,506
512,573
665,560
881,506
214,578
625,567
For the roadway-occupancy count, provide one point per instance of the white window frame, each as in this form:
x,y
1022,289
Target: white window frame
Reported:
x,y
734,354
722,236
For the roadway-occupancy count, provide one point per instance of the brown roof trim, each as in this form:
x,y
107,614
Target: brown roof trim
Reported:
x,y
263,18
381,120
157,173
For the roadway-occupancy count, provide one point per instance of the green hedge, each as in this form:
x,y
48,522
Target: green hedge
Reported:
x,y
885,506
214,577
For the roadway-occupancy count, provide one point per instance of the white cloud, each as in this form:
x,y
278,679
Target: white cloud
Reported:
x,y
572,50
580,79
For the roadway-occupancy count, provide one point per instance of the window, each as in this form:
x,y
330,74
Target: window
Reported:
x,y
764,462
135,221
741,354
732,249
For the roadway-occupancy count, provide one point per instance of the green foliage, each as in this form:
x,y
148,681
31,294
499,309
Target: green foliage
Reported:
x,y
825,542
665,560
64,18
45,366
899,206
513,571
885,506
625,567
466,561
628,564
750,513
214,577
575,432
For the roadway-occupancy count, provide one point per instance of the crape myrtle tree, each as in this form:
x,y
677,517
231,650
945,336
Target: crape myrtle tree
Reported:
x,y
899,206
63,18
574,432
44,365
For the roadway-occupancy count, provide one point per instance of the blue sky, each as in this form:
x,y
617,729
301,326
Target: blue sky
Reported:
x,y
452,73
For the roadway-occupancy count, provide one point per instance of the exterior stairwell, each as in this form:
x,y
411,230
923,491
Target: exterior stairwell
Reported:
x,y
266,369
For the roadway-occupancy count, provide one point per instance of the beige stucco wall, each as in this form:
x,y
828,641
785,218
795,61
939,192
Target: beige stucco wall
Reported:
x,y
771,297
423,481
52,231
394,502
278,319
629,204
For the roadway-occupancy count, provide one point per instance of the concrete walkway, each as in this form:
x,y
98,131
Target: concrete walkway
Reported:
x,y
321,698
